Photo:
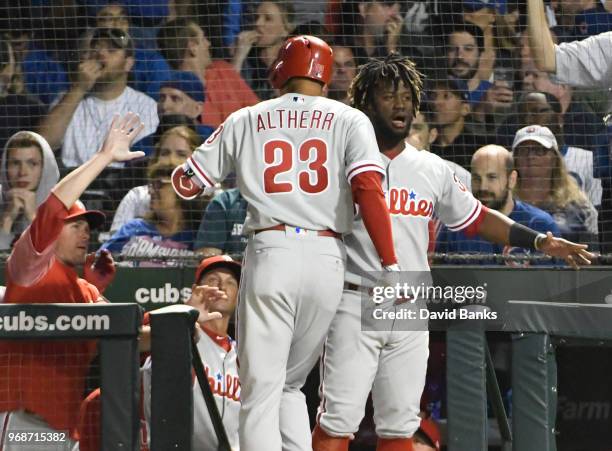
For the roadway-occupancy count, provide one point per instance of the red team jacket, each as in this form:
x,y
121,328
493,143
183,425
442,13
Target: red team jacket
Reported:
x,y
46,378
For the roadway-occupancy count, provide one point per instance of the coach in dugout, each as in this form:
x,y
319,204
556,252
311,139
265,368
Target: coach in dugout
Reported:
x,y
42,382
214,295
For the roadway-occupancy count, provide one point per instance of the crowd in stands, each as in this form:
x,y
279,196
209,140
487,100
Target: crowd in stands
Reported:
x,y
531,147
528,146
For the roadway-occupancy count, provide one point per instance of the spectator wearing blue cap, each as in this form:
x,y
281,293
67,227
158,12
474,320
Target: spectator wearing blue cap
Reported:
x,y
180,102
182,93
451,108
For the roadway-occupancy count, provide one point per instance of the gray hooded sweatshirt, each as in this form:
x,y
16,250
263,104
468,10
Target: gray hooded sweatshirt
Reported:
x,y
48,179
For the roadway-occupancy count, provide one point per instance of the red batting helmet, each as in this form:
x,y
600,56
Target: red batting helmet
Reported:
x,y
302,56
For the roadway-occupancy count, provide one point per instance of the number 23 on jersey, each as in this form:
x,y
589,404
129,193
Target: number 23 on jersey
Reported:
x,y
280,159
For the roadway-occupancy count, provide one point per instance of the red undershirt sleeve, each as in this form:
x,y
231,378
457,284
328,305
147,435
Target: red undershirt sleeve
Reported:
x,y
368,194
474,227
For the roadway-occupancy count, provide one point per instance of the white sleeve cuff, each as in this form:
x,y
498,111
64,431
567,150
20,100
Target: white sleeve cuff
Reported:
x,y
203,178
468,219
363,166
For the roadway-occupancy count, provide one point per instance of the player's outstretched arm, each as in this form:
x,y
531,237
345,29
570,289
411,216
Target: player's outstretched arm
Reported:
x,y
540,39
201,297
500,229
115,148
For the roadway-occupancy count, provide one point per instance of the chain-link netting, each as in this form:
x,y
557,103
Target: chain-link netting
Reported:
x,y
67,66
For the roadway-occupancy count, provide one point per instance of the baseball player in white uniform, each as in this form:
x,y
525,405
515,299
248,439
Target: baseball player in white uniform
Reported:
x,y
301,160
217,279
392,363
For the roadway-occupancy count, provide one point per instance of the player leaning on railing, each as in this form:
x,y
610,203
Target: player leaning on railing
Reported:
x,y
42,382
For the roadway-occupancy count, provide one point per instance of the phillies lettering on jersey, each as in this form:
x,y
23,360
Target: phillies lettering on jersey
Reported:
x,y
220,363
407,202
420,185
227,386
294,157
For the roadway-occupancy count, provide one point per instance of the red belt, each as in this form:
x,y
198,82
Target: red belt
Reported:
x,y
327,232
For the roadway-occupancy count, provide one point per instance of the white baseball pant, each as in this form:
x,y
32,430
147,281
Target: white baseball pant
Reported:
x,y
291,287
392,364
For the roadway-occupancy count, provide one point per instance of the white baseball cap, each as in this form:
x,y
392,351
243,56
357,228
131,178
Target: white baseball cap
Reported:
x,y
537,133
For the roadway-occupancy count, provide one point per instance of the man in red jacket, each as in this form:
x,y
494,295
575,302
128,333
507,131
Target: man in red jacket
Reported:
x,y
46,379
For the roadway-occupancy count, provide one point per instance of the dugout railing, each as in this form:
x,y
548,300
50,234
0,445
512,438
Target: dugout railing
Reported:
x,y
175,364
537,328
561,307
116,326
551,318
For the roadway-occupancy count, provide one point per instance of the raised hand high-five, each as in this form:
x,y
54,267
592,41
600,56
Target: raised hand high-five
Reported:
x,y
120,137
116,148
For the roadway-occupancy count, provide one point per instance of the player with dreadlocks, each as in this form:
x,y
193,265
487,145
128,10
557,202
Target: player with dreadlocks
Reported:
x,y
388,72
365,350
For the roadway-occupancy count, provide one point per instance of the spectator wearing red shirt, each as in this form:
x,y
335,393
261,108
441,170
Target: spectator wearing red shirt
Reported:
x,y
183,44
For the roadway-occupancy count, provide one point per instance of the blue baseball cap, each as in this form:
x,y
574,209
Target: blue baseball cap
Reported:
x,y
474,5
188,82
